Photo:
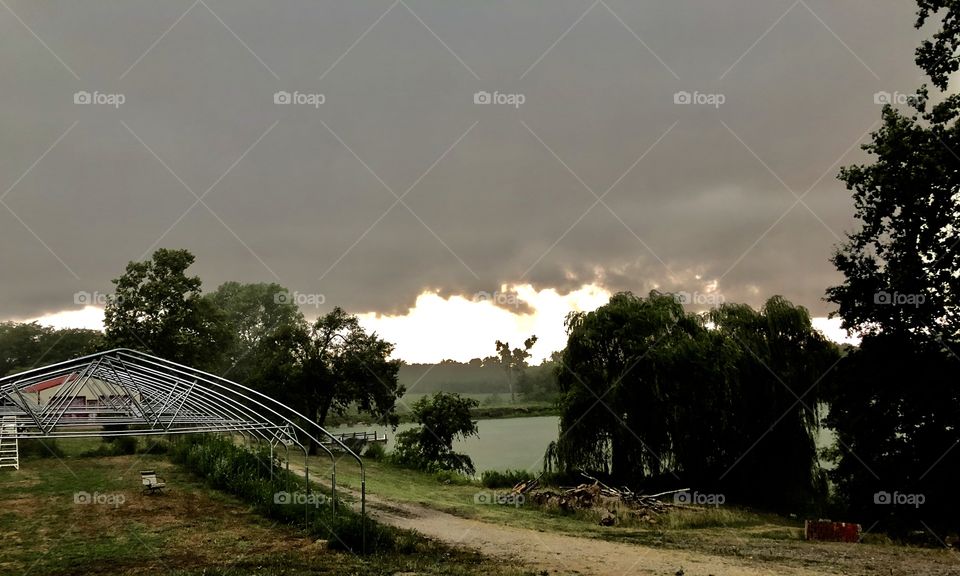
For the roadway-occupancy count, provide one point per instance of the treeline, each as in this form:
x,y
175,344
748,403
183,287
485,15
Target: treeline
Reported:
x,y
29,345
480,376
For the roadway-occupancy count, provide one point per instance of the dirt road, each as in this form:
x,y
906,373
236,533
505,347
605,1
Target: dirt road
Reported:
x,y
561,555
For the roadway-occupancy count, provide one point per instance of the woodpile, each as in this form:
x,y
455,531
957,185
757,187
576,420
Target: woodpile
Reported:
x,y
598,496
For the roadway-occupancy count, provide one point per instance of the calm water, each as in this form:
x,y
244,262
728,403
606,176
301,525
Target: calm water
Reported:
x,y
502,443
515,442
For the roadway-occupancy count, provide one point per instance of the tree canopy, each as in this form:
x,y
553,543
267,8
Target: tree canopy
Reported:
x,y
895,403
159,309
442,418
255,334
652,395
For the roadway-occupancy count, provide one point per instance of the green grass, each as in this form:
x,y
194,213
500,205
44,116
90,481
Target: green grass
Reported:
x,y
189,530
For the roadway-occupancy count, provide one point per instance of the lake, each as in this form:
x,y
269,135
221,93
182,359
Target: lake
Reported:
x,y
502,443
516,442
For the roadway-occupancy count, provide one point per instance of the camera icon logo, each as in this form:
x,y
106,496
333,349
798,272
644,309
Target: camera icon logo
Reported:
x,y
282,97
882,497
683,97
882,98
882,297
482,97
82,97
282,498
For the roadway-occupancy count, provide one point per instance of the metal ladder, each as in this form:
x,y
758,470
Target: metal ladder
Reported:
x,y
9,447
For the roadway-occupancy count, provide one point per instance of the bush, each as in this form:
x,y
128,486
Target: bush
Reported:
x,y
115,446
126,445
40,448
451,477
505,479
375,451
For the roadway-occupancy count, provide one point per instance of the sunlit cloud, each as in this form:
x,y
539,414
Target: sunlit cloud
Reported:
x,y
464,327
89,317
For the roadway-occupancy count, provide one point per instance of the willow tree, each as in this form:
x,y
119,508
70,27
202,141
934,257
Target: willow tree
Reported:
x,y
782,366
726,401
616,390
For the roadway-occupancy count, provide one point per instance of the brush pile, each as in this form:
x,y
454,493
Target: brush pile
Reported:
x,y
597,496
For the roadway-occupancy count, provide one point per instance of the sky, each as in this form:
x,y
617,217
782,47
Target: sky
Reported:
x,y
451,172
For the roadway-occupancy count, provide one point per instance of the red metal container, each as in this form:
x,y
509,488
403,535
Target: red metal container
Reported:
x,y
828,531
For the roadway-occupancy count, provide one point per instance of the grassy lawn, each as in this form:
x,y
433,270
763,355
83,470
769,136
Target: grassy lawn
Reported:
x,y
190,529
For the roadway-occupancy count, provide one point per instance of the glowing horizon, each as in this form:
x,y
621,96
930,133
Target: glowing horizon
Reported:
x,y
461,328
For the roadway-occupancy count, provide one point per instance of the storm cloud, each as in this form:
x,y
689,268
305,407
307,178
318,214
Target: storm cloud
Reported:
x,y
370,150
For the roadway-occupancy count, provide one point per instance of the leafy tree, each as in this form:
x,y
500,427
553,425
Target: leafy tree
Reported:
x,y
259,316
781,363
895,404
653,395
345,366
329,368
443,418
157,308
514,361
613,409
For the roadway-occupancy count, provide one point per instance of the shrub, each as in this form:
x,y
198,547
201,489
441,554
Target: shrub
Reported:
x,y
40,448
126,445
451,477
505,479
375,451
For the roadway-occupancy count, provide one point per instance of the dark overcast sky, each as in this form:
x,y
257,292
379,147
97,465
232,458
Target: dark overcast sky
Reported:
x,y
490,193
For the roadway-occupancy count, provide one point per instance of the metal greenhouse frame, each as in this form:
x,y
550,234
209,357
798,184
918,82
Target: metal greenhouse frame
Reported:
x,y
145,395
